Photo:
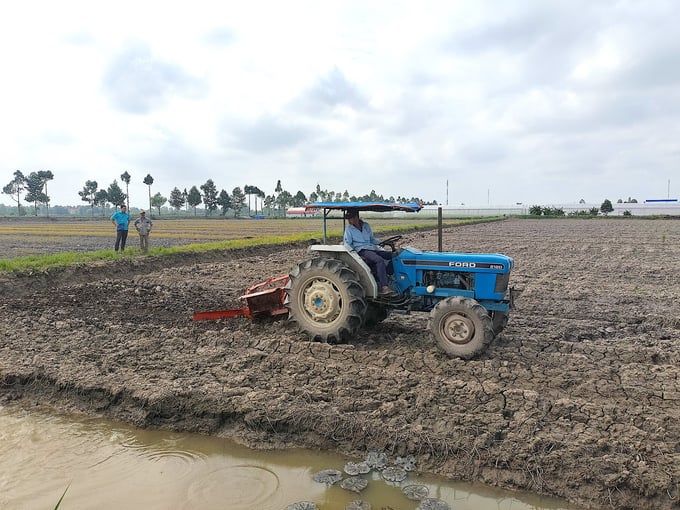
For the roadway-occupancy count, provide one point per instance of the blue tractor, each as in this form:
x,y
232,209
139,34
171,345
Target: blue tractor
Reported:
x,y
334,294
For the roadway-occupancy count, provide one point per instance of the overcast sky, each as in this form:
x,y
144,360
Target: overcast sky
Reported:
x,y
536,102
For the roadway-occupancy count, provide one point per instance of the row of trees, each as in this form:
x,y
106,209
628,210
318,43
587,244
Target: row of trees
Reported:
x,y
605,208
35,188
33,184
276,203
114,194
208,195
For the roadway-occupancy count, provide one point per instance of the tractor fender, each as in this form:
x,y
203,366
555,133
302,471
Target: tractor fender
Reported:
x,y
352,260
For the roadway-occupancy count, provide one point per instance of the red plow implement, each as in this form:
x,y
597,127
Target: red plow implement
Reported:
x,y
266,298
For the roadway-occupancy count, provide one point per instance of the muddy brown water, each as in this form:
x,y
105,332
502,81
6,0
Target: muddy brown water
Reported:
x,y
579,397
108,465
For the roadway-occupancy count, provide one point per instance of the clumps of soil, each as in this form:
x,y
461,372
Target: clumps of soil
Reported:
x,y
579,397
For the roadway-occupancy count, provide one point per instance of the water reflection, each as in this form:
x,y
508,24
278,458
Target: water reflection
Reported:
x,y
108,465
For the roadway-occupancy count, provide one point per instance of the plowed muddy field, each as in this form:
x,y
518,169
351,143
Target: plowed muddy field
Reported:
x,y
579,397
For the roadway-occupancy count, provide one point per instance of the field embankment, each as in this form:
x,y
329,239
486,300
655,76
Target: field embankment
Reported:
x,y
579,397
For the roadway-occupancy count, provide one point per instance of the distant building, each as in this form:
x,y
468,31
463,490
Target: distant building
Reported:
x,y
667,207
301,212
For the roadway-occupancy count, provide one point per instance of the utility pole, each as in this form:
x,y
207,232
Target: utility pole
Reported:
x,y
447,192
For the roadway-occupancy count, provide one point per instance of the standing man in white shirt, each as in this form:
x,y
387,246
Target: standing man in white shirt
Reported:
x,y
143,226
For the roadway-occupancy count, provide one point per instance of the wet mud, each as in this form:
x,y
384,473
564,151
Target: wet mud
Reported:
x,y
579,397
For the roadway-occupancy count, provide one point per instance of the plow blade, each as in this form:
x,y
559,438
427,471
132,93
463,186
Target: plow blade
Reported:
x,y
266,298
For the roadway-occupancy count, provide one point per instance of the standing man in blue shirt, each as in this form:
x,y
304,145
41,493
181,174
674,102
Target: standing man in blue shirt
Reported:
x,y
359,237
121,219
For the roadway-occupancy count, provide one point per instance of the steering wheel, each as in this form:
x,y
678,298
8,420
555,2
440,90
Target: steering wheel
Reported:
x,y
390,242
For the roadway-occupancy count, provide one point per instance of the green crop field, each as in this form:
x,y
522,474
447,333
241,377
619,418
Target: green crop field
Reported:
x,y
43,242
43,231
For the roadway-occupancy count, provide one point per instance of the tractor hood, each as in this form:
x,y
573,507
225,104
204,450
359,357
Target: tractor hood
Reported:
x,y
473,262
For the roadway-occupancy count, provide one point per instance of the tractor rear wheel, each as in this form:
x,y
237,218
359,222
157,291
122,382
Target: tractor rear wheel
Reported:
x,y
461,327
325,300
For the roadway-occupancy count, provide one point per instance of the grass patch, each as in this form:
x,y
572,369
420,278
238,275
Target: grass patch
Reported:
x,y
42,262
45,262
247,238
62,497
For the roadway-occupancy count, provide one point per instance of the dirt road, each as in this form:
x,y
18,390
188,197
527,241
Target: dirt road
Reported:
x,y
578,398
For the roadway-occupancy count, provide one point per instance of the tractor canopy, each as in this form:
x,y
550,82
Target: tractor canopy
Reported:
x,y
327,207
364,206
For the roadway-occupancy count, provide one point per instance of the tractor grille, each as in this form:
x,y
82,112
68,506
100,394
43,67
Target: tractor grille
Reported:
x,y
502,281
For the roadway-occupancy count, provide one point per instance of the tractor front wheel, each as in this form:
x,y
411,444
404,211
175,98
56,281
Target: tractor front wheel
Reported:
x,y
325,300
461,327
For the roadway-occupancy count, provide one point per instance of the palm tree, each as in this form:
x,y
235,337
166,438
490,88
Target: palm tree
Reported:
x,y
125,177
248,190
262,196
148,180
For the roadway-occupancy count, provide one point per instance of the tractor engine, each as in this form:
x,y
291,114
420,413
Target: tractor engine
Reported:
x,y
449,279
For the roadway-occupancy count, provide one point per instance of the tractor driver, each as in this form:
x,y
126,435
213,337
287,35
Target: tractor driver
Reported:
x,y
359,237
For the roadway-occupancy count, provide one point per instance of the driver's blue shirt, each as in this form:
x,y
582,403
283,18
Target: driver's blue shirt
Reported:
x,y
360,239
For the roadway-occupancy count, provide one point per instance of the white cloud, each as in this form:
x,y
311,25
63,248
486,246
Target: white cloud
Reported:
x,y
528,102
